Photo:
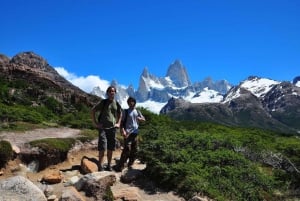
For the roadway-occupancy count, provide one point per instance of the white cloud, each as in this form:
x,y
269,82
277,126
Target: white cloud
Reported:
x,y
85,83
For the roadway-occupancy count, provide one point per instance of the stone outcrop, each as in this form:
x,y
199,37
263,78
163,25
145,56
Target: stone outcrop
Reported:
x,y
71,194
178,74
20,188
73,184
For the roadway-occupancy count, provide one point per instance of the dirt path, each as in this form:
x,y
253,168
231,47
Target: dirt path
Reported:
x,y
74,159
20,138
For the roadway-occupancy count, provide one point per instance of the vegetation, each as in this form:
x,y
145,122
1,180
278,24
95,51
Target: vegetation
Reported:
x,y
59,144
21,102
224,163
6,152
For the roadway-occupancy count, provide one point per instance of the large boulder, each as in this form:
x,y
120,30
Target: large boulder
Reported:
x,y
20,188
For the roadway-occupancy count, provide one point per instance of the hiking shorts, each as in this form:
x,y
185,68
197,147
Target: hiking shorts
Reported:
x,y
107,139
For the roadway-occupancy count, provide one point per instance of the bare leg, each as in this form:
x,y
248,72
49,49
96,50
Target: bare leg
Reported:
x,y
101,156
109,156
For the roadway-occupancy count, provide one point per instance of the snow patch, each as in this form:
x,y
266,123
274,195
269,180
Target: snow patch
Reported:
x,y
232,95
152,106
205,96
259,86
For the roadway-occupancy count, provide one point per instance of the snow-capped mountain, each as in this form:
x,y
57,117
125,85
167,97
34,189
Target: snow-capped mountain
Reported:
x,y
255,102
257,86
154,92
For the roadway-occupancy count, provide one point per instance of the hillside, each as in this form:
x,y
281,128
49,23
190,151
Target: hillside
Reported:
x,y
32,91
254,103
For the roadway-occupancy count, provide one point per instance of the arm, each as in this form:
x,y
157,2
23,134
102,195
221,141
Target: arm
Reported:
x,y
95,122
119,116
122,128
140,116
93,113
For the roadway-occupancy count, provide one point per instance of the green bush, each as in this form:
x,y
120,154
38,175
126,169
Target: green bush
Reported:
x,y
49,144
224,163
6,152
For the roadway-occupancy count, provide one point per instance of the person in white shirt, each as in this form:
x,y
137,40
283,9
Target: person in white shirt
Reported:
x,y
129,130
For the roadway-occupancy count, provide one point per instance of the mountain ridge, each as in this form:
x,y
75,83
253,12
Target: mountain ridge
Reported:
x,y
155,91
255,102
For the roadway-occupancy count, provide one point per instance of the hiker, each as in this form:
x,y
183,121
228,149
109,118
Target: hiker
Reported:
x,y
110,115
129,130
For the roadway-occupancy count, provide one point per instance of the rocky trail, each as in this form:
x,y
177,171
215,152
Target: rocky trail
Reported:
x,y
140,190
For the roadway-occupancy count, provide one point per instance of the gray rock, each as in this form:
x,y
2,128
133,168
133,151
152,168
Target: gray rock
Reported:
x,y
20,188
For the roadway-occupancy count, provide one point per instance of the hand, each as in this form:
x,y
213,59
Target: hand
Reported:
x,y
117,125
124,134
99,126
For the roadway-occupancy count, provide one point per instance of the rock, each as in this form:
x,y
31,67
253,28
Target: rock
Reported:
x,y
71,194
128,194
52,178
129,175
88,165
71,181
52,198
96,184
20,188
16,149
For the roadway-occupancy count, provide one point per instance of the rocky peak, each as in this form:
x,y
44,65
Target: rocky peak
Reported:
x,y
3,60
41,78
145,72
30,59
174,103
178,74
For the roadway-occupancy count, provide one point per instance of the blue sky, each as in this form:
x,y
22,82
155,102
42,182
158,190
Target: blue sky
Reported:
x,y
116,39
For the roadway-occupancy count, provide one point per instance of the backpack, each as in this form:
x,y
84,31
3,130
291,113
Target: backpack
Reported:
x,y
104,103
123,123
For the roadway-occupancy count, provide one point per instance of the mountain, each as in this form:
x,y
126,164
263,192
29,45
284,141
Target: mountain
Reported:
x,y
177,73
28,79
296,81
153,92
255,102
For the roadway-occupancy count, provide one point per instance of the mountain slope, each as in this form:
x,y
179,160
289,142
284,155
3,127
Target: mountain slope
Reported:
x,y
33,90
256,102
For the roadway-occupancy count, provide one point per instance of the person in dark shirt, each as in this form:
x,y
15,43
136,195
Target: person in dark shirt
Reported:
x,y
108,121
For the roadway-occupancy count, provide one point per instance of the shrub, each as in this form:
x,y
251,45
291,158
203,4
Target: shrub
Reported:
x,y
6,152
49,144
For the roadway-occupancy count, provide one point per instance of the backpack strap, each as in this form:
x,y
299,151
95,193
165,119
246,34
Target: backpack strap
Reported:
x,y
125,119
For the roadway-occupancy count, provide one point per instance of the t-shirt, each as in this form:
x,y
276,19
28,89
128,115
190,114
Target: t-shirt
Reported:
x,y
109,111
131,124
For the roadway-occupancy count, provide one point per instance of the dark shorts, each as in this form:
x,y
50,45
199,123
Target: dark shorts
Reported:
x,y
107,139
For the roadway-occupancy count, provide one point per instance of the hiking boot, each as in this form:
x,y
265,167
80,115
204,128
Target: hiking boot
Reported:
x,y
108,168
100,168
118,168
